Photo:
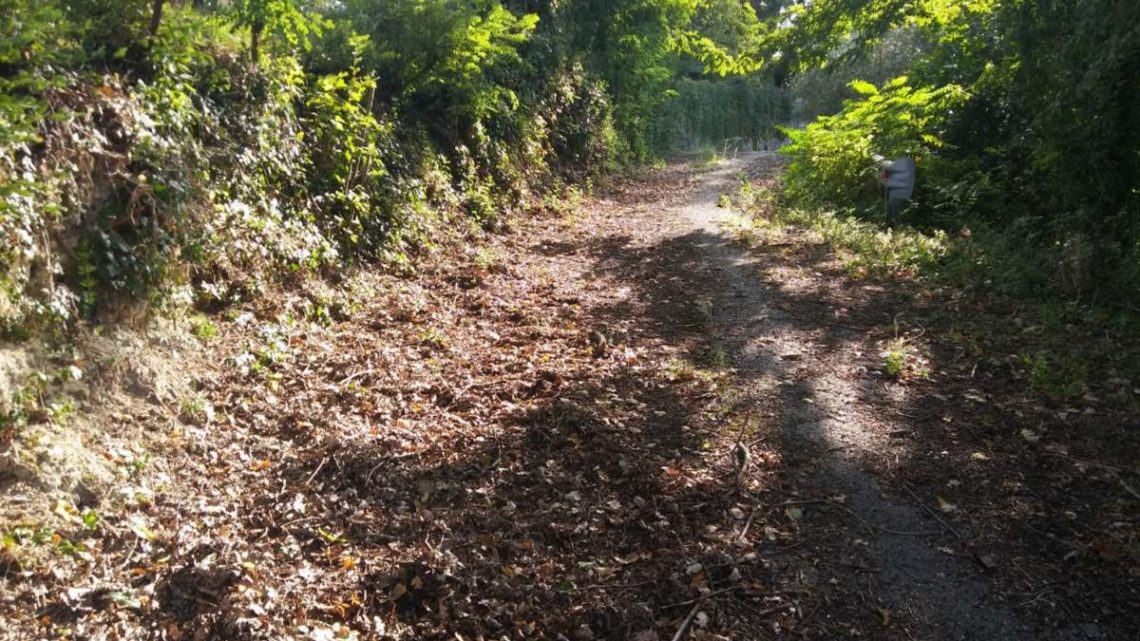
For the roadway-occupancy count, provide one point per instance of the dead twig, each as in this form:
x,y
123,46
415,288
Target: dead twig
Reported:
x,y
480,385
938,518
703,597
799,502
1129,488
747,524
786,548
615,586
767,611
687,622
348,379
1087,463
697,602
316,471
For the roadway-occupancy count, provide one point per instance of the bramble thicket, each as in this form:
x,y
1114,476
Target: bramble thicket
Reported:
x,y
1022,116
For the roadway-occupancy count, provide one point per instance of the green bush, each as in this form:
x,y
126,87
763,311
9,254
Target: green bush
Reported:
x,y
710,111
833,159
154,152
1023,114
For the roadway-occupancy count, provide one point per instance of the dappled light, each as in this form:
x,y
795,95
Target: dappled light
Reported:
x,y
579,320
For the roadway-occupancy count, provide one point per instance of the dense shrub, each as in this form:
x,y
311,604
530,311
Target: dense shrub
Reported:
x,y
709,111
155,152
1039,146
834,158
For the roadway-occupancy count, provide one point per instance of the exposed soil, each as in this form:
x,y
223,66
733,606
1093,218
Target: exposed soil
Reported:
x,y
538,440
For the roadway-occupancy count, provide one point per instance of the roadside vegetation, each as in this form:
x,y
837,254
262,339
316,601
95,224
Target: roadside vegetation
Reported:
x,y
354,319
1062,348
1022,118
160,157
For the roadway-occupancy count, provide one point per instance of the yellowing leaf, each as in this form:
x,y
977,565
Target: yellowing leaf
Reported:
x,y
142,531
66,510
884,616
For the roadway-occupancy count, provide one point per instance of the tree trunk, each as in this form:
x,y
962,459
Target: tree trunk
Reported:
x,y
255,41
156,16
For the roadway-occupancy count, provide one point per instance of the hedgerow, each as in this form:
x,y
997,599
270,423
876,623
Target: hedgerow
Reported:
x,y
155,153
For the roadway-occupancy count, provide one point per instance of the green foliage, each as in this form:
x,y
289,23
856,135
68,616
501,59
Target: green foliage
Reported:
x,y
447,65
1058,378
895,359
821,91
874,252
203,327
743,228
153,153
833,159
1038,147
640,48
90,519
346,147
284,19
108,30
713,110
24,539
707,157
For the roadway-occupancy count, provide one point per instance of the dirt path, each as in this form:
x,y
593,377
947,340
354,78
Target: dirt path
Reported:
x,y
536,439
804,370
1000,557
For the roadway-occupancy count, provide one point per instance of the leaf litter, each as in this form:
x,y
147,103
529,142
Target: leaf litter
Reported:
x,y
539,447
521,450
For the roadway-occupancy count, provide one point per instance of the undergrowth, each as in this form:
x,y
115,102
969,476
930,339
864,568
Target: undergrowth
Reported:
x,y
1062,349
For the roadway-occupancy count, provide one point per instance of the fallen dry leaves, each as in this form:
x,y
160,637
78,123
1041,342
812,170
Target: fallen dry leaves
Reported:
x,y
532,441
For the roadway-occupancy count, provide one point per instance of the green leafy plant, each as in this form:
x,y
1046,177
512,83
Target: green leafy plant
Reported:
x,y
433,337
486,258
284,19
1054,377
895,359
834,158
90,519
202,327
